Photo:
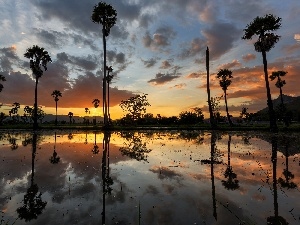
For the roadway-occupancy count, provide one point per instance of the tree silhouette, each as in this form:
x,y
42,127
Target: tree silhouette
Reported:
x,y
55,94
224,76
135,106
14,111
263,27
135,148
211,116
70,115
288,175
86,111
38,58
276,219
96,102
95,149
105,15
279,84
54,159
2,78
231,183
107,181
33,203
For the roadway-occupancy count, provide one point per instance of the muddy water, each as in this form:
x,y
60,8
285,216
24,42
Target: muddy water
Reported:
x,y
178,177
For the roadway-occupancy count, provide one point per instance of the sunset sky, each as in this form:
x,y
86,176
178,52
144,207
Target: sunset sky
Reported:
x,y
157,47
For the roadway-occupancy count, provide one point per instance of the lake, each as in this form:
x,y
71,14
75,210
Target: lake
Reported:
x,y
149,177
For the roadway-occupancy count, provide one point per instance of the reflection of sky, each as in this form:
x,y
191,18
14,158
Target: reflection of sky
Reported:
x,y
173,187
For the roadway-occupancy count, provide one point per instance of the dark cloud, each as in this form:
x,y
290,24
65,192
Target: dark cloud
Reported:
x,y
165,64
179,86
53,38
149,63
161,79
87,63
220,38
165,172
194,48
9,59
160,39
112,56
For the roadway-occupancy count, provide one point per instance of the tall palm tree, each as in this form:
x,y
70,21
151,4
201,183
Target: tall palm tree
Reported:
x,y
263,27
55,94
96,103
279,83
105,15
224,76
38,58
2,78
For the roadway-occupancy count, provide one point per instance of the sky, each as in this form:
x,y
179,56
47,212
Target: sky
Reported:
x,y
157,47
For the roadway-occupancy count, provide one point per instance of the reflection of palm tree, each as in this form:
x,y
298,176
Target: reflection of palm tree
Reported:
x,y
38,59
95,149
276,219
13,142
54,159
135,149
231,183
214,155
55,94
287,174
33,203
107,181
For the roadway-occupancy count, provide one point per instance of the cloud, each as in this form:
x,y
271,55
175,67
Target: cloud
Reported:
x,y
160,39
249,57
220,38
87,63
234,63
196,75
179,86
194,48
53,38
116,57
149,63
165,64
161,79
9,59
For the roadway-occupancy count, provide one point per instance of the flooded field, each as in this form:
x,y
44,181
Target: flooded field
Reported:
x,y
177,177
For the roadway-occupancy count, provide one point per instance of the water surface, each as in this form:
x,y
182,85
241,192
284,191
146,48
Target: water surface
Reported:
x,y
177,177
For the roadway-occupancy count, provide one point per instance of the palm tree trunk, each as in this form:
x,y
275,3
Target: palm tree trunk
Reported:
x,y
281,97
274,161
108,101
55,112
35,125
104,77
273,125
212,120
228,147
228,117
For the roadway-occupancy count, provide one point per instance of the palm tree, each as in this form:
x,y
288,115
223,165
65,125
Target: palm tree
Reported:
x,y
263,27
86,111
105,15
2,78
55,94
96,102
38,59
70,115
224,76
279,83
